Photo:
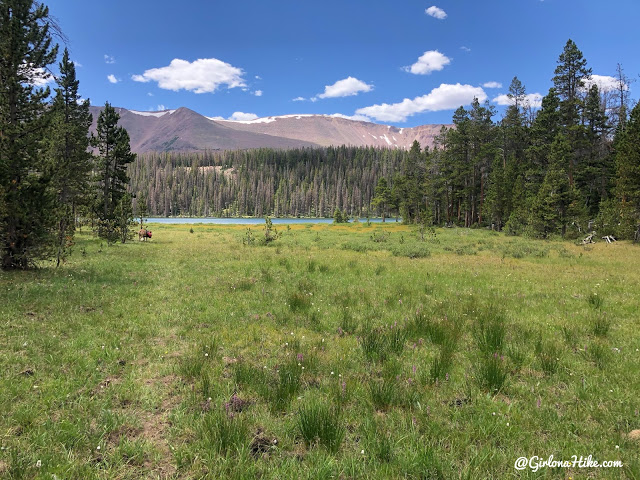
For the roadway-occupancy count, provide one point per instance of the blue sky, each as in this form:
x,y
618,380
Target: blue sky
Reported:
x,y
401,62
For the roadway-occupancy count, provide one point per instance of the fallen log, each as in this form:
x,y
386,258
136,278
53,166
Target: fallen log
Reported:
x,y
609,238
588,239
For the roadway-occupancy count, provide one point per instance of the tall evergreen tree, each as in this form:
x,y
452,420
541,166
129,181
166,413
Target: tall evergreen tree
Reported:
x,y
70,160
594,176
382,197
26,50
114,149
627,165
552,207
568,80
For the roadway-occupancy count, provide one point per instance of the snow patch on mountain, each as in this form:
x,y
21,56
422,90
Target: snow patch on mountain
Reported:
x,y
152,114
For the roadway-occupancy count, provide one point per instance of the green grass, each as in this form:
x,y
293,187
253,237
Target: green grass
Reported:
x,y
336,351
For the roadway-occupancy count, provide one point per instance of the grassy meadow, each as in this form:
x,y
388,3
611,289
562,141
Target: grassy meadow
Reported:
x,y
335,351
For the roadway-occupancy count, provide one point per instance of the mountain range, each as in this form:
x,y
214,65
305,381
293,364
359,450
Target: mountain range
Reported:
x,y
185,130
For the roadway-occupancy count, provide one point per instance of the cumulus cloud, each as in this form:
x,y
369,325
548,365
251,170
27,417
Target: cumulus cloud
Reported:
x,y
258,93
110,59
161,108
112,78
344,88
605,83
204,75
444,97
436,12
299,99
534,100
430,61
243,117
492,85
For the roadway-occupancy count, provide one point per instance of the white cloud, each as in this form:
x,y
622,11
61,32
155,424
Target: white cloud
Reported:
x,y
258,77
605,83
444,97
258,93
299,99
77,64
344,88
492,85
466,49
112,78
241,116
161,108
204,75
430,61
534,100
110,59
40,77
150,94
436,12
360,118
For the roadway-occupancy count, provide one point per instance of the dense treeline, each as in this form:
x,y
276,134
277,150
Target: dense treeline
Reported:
x,y
571,166
304,182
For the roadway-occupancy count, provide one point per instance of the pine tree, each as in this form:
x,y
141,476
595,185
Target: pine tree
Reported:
x,y
568,80
70,162
115,154
553,206
382,197
627,164
594,176
26,51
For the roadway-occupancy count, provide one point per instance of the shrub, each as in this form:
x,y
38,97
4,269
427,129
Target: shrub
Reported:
x,y
411,251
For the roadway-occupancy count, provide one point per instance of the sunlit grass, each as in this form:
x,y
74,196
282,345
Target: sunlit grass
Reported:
x,y
194,355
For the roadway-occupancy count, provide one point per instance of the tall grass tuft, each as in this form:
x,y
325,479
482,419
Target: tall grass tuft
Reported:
x,y
490,333
600,324
223,433
287,386
548,354
383,393
493,372
599,354
379,343
595,301
319,423
441,364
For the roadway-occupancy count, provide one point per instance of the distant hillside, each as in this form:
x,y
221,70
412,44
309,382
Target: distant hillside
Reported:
x,y
184,130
